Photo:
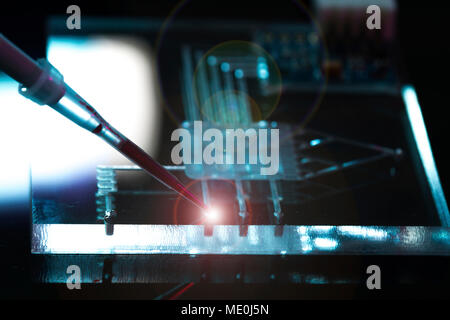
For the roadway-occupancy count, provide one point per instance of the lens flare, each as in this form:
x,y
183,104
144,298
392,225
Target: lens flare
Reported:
x,y
212,215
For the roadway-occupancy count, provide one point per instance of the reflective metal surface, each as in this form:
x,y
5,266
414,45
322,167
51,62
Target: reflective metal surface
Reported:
x,y
225,240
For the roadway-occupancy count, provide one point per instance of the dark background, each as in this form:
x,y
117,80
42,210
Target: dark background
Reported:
x,y
423,44
422,35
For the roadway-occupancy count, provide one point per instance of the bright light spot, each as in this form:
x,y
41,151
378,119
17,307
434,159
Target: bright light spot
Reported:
x,y
413,236
262,69
63,238
364,232
423,145
113,74
323,228
262,124
193,251
263,73
304,238
212,215
252,235
325,243
301,230
15,121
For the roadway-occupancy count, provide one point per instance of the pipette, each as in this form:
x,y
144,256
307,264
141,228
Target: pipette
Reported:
x,y
42,83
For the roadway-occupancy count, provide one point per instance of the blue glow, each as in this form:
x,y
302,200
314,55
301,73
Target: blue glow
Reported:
x,y
262,69
442,236
212,60
225,67
239,74
263,73
262,124
315,142
315,280
426,155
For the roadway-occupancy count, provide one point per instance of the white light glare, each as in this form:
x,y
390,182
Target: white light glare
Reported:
x,y
212,215
114,74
